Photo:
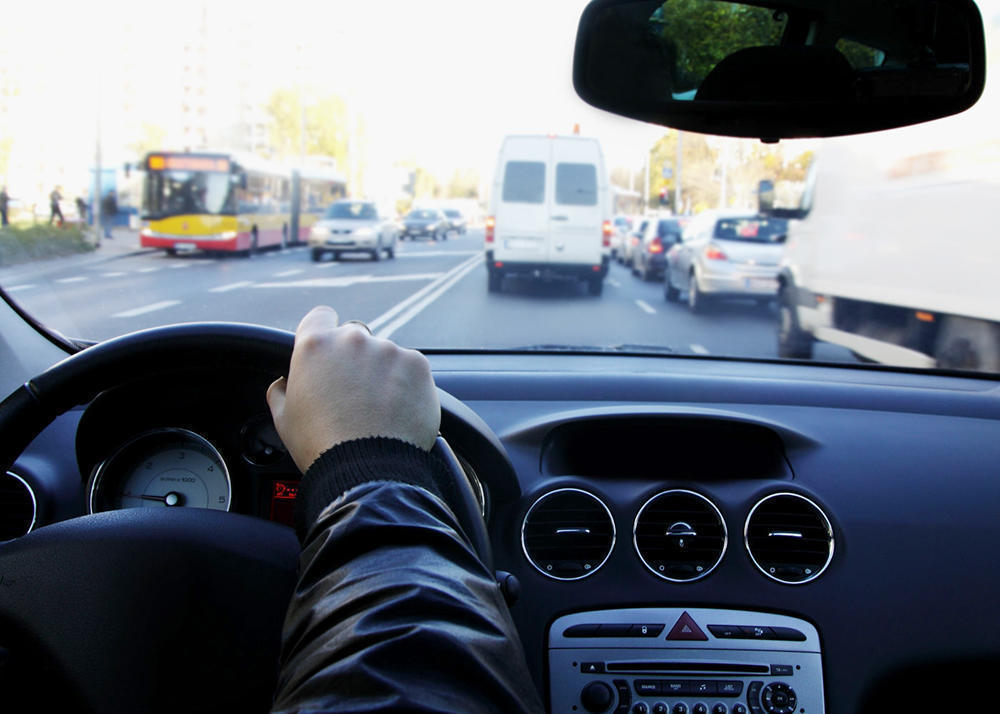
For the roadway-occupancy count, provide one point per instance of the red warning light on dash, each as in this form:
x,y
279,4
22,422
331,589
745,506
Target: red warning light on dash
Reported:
x,y
285,490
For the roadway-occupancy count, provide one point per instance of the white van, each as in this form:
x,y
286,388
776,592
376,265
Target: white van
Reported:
x,y
550,211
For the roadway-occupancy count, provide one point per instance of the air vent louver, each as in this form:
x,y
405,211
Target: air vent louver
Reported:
x,y
789,538
17,507
680,535
568,534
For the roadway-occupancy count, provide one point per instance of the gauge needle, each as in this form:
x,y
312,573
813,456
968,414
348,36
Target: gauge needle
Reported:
x,y
170,499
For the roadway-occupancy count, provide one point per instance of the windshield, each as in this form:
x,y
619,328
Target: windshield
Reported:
x,y
173,193
353,209
181,166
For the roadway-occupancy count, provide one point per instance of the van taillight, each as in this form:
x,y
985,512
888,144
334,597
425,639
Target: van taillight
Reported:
x,y
656,245
608,230
712,252
491,223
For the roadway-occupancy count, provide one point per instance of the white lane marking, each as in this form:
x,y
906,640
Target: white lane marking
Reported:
x,y
645,307
699,349
231,286
287,273
435,253
614,283
348,280
271,255
147,308
178,266
116,274
15,288
77,279
147,270
412,306
327,265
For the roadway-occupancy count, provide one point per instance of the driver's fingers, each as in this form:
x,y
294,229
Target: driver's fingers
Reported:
x,y
320,319
276,398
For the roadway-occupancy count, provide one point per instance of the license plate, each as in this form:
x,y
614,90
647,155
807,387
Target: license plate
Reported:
x,y
185,246
521,243
761,284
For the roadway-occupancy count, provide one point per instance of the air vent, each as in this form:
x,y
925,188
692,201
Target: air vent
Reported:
x,y
789,538
568,534
680,535
17,507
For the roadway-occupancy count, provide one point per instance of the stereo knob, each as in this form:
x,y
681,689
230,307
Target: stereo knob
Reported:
x,y
778,698
597,697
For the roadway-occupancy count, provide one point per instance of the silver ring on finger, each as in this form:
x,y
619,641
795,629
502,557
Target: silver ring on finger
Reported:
x,y
359,322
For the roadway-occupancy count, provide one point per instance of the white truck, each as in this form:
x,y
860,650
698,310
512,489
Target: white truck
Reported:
x,y
892,255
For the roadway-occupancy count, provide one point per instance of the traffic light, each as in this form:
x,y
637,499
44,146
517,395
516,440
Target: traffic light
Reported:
x,y
664,199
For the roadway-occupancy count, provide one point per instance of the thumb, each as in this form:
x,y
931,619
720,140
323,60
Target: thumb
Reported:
x,y
276,398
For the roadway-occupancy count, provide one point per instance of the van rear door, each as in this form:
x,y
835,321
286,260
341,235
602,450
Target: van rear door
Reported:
x,y
577,210
522,213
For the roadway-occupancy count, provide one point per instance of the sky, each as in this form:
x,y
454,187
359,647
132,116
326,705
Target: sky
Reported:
x,y
439,82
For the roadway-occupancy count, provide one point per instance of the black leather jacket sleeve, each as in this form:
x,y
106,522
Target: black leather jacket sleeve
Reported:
x,y
393,610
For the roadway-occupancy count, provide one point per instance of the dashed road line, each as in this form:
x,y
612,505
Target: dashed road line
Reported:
x,y
147,308
699,349
116,274
344,281
147,270
436,253
327,265
404,311
15,288
645,307
77,279
614,283
231,286
178,266
288,273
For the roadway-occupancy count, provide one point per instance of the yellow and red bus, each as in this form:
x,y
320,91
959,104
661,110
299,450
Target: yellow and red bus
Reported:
x,y
228,202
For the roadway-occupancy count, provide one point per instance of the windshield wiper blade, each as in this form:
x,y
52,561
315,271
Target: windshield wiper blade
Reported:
x,y
626,348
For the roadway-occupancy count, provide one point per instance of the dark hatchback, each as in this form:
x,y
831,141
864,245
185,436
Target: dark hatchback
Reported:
x,y
425,222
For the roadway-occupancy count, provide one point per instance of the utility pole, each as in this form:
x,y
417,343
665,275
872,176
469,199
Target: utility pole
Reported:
x,y
95,209
295,188
678,166
645,186
724,155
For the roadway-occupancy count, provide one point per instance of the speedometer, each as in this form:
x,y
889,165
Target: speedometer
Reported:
x,y
163,468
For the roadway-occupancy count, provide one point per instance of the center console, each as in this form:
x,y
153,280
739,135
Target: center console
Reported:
x,y
684,661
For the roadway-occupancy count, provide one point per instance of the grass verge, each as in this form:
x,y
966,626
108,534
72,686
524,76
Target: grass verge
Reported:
x,y
24,244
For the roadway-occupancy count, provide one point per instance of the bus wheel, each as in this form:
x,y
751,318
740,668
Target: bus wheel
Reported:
x,y
171,252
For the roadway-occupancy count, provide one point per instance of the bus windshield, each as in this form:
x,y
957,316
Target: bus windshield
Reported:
x,y
173,192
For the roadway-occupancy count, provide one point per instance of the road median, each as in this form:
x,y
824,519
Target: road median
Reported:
x,y
29,244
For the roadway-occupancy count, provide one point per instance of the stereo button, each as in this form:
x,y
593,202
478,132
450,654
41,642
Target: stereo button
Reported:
x,y
680,708
659,708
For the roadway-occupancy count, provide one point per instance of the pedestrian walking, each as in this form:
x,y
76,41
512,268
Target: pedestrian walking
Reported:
x,y
54,198
81,209
4,203
109,209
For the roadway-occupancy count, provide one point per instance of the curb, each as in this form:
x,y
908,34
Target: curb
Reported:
x,y
54,265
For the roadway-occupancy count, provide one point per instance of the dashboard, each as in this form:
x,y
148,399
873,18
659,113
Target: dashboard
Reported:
x,y
725,536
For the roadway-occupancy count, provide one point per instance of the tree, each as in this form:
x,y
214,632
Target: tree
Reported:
x,y
153,138
464,183
326,123
698,186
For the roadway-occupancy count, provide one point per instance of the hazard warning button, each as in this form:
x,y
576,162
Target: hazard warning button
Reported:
x,y
686,629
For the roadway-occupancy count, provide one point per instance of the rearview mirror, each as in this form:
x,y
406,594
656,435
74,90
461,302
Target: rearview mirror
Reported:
x,y
773,70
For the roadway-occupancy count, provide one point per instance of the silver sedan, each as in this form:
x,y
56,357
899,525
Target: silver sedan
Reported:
x,y
726,255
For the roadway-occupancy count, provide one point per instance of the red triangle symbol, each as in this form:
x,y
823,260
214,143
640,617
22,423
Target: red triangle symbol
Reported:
x,y
686,629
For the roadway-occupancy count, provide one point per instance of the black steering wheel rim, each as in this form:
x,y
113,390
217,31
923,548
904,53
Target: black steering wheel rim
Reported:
x,y
99,558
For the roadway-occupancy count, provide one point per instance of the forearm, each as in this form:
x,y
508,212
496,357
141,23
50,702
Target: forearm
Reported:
x,y
393,609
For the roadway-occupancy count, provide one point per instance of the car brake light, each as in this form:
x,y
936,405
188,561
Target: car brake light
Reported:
x,y
491,224
656,246
608,230
712,252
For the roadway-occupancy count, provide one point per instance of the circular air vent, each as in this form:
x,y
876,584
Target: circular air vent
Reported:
x,y
680,535
568,534
789,538
17,507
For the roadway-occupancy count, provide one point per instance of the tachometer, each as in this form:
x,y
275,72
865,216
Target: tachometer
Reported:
x,y
163,468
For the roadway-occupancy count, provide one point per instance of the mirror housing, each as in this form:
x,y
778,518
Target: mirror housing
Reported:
x,y
780,69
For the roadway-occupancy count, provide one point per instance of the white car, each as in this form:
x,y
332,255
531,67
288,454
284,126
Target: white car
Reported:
x,y
353,226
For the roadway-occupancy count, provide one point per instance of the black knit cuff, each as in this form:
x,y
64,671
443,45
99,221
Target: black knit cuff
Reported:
x,y
352,463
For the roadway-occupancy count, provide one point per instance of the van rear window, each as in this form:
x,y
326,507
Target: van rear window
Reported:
x,y
576,184
524,182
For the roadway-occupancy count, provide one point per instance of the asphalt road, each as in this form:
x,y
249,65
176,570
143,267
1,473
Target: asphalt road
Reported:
x,y
431,295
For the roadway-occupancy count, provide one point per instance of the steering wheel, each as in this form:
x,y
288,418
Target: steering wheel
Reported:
x,y
163,609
